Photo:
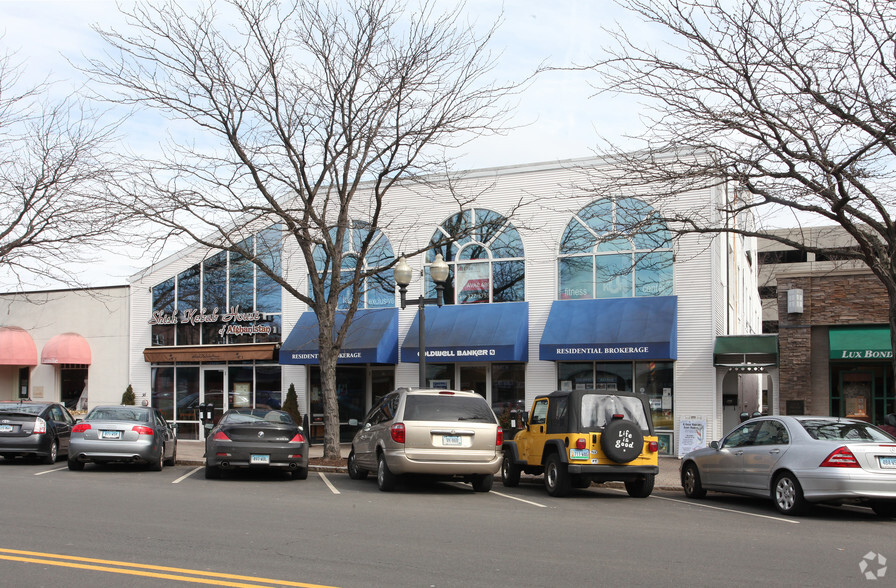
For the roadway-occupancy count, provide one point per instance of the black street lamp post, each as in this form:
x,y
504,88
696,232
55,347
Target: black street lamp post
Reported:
x,y
403,273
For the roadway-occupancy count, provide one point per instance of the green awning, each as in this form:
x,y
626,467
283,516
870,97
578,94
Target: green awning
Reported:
x,y
746,350
860,343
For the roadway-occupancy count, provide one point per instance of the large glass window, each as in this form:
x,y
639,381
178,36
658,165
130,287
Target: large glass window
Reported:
x,y
485,258
378,289
614,248
199,304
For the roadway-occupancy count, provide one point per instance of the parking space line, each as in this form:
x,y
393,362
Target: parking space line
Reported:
x,y
327,482
519,499
53,470
187,475
749,514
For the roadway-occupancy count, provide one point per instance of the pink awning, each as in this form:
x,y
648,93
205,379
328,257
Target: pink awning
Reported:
x,y
66,348
17,347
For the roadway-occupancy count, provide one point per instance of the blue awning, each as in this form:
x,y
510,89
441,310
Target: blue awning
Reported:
x,y
611,329
372,338
471,332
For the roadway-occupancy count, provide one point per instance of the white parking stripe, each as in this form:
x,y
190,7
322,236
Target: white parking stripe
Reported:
x,y
48,471
187,475
749,514
327,482
501,494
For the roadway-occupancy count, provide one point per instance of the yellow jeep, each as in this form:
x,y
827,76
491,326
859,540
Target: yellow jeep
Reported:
x,y
576,437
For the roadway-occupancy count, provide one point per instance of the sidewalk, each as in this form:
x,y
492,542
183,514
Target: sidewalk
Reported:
x,y
192,453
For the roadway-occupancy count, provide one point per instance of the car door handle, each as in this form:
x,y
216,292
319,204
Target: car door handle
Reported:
x,y
739,452
774,451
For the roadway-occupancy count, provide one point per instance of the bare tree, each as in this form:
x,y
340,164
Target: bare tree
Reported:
x,y
303,115
54,167
788,102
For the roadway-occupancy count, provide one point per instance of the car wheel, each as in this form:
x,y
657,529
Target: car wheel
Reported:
x,y
157,464
690,481
510,472
212,472
884,509
75,465
622,441
556,476
173,459
788,495
483,483
300,474
640,488
354,472
50,458
385,479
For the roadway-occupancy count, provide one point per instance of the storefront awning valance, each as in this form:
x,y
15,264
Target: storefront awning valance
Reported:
x,y
611,329
746,350
471,332
17,347
70,348
871,342
197,353
372,338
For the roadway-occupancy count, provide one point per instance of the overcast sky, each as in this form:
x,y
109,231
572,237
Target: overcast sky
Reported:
x,y
557,117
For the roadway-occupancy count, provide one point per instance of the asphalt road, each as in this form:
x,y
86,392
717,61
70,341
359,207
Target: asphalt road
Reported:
x,y
125,526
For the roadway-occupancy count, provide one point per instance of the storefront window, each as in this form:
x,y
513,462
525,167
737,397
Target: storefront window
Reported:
x,y
475,378
377,290
613,249
163,390
862,392
509,394
351,392
485,263
575,376
218,285
655,379
440,375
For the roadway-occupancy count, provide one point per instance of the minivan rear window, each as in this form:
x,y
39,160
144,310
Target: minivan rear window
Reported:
x,y
424,407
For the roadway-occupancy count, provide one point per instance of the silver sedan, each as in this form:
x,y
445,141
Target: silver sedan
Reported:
x,y
135,434
797,461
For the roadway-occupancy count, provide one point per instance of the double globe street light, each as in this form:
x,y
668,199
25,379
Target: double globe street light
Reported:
x,y
438,270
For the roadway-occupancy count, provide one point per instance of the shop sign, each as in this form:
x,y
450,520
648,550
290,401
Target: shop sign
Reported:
x,y
229,320
865,354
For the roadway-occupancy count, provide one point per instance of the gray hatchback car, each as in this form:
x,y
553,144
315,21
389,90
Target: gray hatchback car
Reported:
x,y
446,434
135,434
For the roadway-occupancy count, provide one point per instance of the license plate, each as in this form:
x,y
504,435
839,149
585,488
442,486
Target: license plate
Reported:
x,y
5,428
260,459
451,440
887,461
111,434
578,454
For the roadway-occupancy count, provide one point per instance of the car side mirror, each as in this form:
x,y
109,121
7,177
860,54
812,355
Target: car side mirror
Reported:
x,y
524,419
714,444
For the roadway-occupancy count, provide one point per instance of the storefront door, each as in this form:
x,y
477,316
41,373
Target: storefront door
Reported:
x,y
213,386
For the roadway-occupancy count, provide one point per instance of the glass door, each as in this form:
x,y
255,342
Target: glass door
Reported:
x,y
213,391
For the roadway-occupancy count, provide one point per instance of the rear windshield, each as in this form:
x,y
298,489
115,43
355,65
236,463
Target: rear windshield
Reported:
x,y
598,410
118,414
424,407
22,408
844,431
255,415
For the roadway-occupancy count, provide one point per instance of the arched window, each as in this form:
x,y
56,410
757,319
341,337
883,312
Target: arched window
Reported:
x,y
377,291
485,258
614,248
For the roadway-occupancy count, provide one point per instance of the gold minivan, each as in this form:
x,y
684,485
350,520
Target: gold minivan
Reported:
x,y
447,434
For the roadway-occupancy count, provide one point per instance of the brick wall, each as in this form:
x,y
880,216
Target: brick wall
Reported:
x,y
832,299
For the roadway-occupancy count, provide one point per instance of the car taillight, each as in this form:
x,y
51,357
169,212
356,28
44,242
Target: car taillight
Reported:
x,y
840,458
220,436
299,438
142,430
581,443
80,428
397,431
653,446
499,438
447,392
40,425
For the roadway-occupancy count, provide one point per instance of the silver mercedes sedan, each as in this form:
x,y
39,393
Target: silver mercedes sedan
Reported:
x,y
797,461
133,434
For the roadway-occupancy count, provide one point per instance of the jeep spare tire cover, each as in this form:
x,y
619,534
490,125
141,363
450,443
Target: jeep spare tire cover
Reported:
x,y
622,441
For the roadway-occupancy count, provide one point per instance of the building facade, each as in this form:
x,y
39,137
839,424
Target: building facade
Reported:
x,y
550,295
65,345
